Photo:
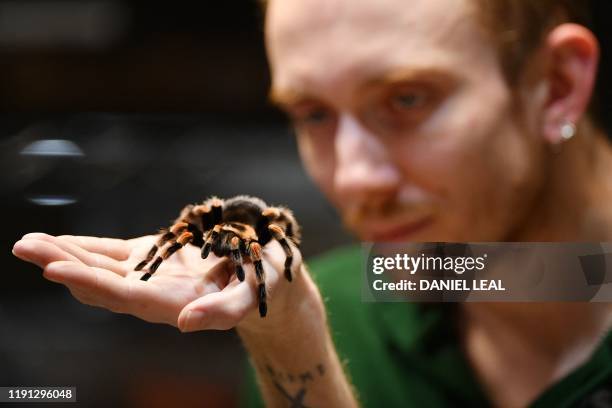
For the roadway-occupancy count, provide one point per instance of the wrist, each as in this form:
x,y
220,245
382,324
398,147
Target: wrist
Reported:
x,y
300,304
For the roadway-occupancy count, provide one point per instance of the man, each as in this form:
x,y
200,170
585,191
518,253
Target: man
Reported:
x,y
421,121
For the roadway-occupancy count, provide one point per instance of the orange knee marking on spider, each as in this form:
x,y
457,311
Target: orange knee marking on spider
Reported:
x,y
185,238
217,228
256,251
271,212
235,242
178,227
276,230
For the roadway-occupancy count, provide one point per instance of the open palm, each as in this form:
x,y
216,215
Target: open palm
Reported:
x,y
186,291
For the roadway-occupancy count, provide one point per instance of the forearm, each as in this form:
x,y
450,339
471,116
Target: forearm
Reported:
x,y
294,357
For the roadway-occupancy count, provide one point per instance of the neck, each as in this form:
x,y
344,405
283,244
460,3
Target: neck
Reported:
x,y
573,204
551,339
544,329
536,344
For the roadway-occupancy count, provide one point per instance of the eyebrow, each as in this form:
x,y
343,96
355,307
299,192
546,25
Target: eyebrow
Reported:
x,y
405,75
285,97
282,98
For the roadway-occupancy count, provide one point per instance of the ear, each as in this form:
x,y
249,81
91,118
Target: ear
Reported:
x,y
573,53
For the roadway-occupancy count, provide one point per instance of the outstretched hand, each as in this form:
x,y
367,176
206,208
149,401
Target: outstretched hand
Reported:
x,y
187,291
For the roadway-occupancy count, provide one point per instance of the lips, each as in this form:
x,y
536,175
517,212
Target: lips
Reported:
x,y
401,231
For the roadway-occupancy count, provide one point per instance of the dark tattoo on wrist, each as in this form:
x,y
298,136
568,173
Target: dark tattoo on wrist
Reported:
x,y
286,381
297,400
300,377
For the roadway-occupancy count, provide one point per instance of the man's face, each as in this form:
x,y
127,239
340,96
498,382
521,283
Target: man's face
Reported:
x,y
403,117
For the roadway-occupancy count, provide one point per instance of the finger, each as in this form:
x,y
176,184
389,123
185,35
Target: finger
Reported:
x,y
274,253
118,249
220,310
102,288
81,296
220,272
99,286
41,253
224,310
92,259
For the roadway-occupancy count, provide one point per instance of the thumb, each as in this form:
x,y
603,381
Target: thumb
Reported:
x,y
219,310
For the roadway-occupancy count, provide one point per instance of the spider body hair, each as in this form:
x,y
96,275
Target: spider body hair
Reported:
x,y
236,228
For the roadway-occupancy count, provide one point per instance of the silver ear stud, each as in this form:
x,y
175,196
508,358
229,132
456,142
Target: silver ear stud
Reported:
x,y
568,130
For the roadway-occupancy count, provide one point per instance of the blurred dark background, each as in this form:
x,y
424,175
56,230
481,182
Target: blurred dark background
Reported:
x,y
115,114
189,85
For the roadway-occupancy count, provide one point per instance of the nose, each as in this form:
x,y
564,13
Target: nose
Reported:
x,y
364,167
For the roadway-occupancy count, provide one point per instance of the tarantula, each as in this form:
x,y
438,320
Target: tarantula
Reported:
x,y
237,228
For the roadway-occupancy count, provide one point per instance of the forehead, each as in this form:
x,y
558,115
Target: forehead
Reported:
x,y
313,44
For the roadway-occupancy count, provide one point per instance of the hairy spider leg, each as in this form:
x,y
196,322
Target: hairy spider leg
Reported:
x,y
210,239
211,218
237,258
217,211
181,241
279,235
198,236
169,234
284,218
165,237
207,217
255,254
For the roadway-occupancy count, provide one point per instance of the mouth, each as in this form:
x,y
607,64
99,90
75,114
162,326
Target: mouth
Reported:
x,y
396,233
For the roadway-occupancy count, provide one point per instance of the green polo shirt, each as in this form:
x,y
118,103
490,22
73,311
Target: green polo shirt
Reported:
x,y
408,355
